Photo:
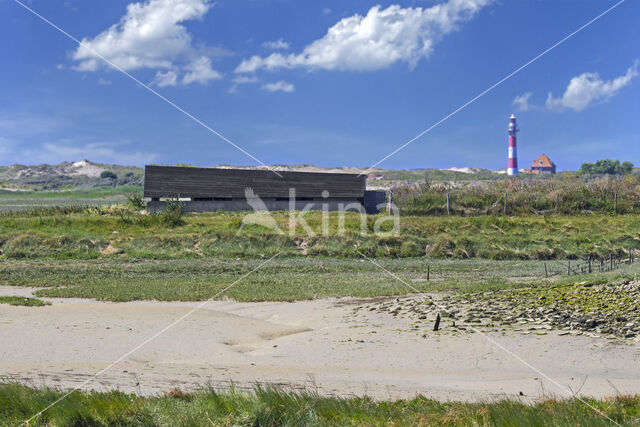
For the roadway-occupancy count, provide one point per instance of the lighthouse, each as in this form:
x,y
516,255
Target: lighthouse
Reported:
x,y
513,147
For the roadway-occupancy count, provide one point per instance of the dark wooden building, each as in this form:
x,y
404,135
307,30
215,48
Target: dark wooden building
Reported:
x,y
211,189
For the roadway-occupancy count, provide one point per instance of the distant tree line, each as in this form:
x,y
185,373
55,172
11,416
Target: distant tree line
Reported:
x,y
606,167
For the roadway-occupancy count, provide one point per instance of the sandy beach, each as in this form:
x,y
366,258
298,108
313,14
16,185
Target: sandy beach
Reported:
x,y
322,345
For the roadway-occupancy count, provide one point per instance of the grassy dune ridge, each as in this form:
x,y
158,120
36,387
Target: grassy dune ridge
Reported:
x,y
88,233
268,406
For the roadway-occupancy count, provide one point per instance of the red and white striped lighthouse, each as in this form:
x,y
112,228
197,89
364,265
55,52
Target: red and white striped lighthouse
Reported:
x,y
513,147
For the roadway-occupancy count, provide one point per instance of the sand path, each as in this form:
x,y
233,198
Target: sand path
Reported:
x,y
318,344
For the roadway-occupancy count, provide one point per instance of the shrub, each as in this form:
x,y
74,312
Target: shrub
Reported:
x,y
125,216
136,201
108,175
606,166
172,216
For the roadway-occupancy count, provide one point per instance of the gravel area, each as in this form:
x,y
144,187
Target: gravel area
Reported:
x,y
609,310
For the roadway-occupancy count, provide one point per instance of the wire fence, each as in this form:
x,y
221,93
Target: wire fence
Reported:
x,y
598,265
555,268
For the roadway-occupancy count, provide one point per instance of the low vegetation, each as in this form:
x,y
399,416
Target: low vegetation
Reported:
x,y
12,202
85,233
567,195
286,279
91,252
22,301
279,280
136,201
270,406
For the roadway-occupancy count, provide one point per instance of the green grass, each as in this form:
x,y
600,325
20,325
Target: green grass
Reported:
x,y
86,233
286,279
119,255
70,194
11,201
22,301
269,406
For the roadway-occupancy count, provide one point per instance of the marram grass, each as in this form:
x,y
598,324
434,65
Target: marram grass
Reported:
x,y
121,233
270,406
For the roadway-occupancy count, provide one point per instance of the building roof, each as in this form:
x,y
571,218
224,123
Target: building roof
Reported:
x,y
171,181
542,162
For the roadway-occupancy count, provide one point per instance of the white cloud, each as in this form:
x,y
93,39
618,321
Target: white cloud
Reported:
x,y
278,44
95,151
200,71
327,11
245,79
280,86
151,35
104,82
380,38
148,36
589,89
242,80
522,101
168,78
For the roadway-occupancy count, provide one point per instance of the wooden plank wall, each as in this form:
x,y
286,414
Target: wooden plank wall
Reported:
x,y
168,181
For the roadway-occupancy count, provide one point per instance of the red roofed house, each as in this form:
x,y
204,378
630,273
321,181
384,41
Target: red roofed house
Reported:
x,y
543,164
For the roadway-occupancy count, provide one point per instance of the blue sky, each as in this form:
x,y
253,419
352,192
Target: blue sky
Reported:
x,y
331,82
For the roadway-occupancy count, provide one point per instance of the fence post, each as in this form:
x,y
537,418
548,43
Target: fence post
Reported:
x,y
428,272
615,203
629,256
557,202
546,274
505,203
589,263
448,205
610,261
568,267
